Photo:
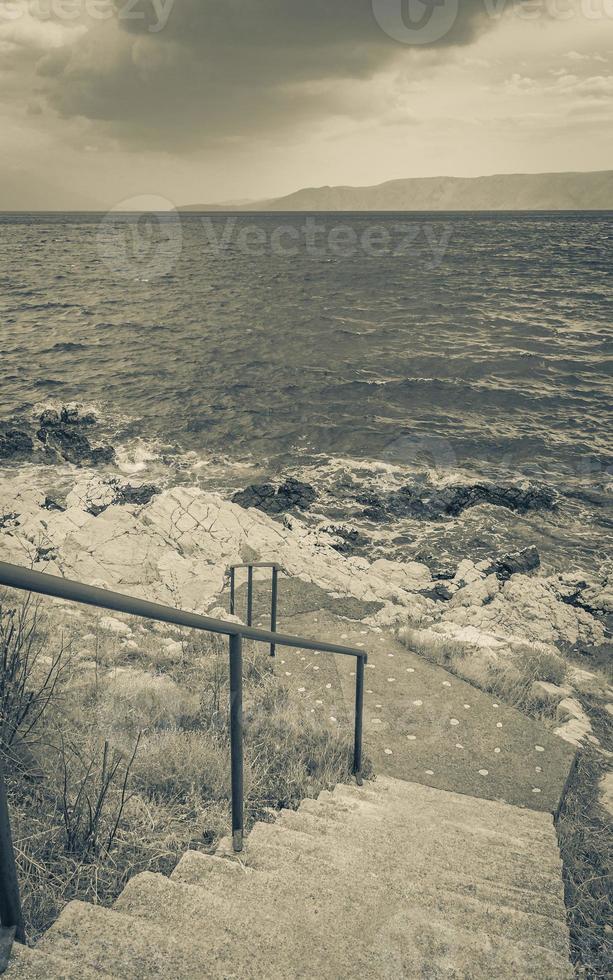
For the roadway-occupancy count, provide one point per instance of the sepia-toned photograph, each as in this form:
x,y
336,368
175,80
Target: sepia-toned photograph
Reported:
x,y
306,452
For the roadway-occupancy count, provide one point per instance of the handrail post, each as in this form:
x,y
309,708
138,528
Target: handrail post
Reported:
x,y
273,607
359,710
236,738
250,596
232,591
10,902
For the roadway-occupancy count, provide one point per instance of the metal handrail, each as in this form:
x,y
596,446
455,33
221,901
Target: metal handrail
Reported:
x,y
24,579
276,568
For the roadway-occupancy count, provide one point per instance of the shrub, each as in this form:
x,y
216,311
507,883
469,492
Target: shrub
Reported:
x,y
94,796
29,678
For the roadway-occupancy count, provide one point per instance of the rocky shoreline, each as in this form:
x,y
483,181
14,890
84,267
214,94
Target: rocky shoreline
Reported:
x,y
174,545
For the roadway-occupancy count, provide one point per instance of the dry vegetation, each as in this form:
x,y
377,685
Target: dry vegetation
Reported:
x,y
116,753
586,843
511,681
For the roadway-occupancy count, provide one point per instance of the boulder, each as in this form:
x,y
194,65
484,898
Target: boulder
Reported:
x,y
60,434
138,496
586,682
548,694
520,562
15,444
568,709
292,494
577,731
477,593
524,608
52,503
436,503
111,625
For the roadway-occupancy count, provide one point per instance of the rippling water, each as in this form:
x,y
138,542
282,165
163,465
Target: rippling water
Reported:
x,y
376,349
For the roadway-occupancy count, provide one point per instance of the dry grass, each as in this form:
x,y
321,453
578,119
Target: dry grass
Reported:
x,y
86,817
509,676
586,844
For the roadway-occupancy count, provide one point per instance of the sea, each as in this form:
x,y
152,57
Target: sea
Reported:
x,y
357,352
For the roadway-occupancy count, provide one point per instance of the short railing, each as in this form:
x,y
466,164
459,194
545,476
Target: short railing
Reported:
x,y
16,577
250,566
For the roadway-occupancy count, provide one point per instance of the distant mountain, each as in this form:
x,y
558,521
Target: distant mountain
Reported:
x,y
502,192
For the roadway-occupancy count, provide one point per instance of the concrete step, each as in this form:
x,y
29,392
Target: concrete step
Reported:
x,y
436,857
338,815
190,906
388,880
32,964
524,823
434,840
193,869
480,910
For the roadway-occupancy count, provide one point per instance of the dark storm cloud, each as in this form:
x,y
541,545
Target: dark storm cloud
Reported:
x,y
216,72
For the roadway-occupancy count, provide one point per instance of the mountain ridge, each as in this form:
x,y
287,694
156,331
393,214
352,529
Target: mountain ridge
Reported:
x,y
563,191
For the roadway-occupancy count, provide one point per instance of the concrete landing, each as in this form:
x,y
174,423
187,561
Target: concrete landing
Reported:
x,y
390,880
424,724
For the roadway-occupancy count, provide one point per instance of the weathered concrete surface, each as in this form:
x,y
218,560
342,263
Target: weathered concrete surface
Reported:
x,y
32,964
424,724
453,888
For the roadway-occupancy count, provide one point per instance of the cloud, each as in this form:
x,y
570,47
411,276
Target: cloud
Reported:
x,y
31,33
229,71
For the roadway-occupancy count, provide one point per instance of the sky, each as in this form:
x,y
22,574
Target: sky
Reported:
x,y
109,103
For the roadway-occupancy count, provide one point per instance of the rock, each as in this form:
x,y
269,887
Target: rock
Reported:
x,y
606,792
74,447
61,435
524,608
71,415
477,593
52,503
594,594
587,682
452,501
468,572
577,731
102,455
45,555
440,593
568,709
410,575
271,500
138,496
548,694
49,418
111,625
520,562
15,444
350,540
8,520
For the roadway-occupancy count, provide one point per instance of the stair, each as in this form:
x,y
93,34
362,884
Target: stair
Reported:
x,y
393,879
